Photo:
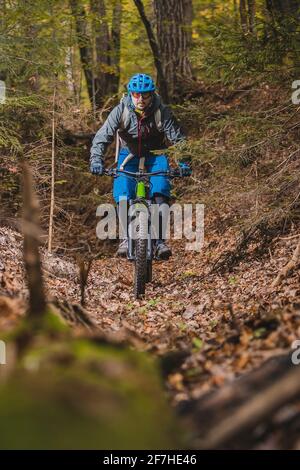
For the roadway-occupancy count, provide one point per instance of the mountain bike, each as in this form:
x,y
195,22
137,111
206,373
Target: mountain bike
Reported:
x,y
140,244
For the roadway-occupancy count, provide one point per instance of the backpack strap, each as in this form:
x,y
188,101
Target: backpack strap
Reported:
x,y
158,122
117,146
124,122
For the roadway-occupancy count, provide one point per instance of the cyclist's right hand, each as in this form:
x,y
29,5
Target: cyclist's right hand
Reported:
x,y
97,168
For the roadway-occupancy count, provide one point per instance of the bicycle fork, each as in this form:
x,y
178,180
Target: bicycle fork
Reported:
x,y
136,206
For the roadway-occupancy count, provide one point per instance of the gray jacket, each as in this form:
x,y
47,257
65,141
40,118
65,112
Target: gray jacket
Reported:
x,y
152,138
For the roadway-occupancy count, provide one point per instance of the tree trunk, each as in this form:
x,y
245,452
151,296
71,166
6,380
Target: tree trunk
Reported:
x,y
283,10
235,12
116,44
243,16
163,89
70,77
189,16
107,50
287,7
172,21
101,54
52,189
251,15
84,43
3,73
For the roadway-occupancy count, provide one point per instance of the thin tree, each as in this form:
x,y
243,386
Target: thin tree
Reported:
x,y
99,48
52,187
163,89
116,45
101,55
243,16
84,44
247,16
3,73
251,15
69,67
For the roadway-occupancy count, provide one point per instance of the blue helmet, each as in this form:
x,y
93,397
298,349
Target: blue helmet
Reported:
x,y
141,83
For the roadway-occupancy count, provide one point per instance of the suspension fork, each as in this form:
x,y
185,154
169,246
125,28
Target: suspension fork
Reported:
x,y
136,205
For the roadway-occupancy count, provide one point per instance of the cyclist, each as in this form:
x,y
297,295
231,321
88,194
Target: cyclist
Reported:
x,y
142,123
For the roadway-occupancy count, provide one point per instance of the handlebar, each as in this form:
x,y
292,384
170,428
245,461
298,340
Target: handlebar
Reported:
x,y
172,173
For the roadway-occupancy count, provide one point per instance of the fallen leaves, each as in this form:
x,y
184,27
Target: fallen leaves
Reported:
x,y
229,323
8,306
10,312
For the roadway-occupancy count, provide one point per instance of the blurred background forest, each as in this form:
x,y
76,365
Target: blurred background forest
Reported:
x,y
214,319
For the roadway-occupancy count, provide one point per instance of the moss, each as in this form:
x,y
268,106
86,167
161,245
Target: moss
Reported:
x,y
50,323
81,394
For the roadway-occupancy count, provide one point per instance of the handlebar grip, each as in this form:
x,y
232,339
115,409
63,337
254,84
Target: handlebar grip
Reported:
x,y
108,172
175,172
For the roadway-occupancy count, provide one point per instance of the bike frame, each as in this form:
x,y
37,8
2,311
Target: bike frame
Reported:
x,y
140,202
141,251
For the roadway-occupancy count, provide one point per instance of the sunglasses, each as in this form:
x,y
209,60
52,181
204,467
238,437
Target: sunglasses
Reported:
x,y
143,95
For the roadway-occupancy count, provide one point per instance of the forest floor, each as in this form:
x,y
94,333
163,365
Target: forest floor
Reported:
x,y
227,323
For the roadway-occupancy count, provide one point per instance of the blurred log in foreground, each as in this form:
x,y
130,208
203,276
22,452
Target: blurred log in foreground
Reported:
x,y
247,411
78,393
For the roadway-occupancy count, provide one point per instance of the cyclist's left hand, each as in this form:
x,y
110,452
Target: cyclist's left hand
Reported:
x,y
97,168
185,169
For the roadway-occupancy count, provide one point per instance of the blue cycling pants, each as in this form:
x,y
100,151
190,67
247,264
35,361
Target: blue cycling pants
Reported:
x,y
125,187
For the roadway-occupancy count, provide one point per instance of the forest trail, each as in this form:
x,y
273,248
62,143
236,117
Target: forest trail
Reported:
x,y
225,323
209,328
213,320
216,335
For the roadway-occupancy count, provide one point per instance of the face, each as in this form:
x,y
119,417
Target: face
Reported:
x,y
141,100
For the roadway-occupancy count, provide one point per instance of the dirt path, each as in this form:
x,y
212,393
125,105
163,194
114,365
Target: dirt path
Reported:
x,y
226,323
230,323
217,327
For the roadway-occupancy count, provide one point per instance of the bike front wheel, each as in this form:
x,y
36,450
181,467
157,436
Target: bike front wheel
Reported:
x,y
141,274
